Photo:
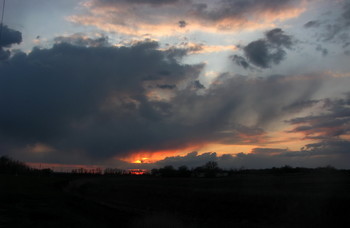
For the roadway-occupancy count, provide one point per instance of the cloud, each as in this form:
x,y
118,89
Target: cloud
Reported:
x,y
329,148
240,61
79,39
278,38
136,2
333,29
258,52
265,52
331,129
7,39
163,18
269,151
226,12
300,105
96,102
331,123
191,48
312,24
265,158
77,98
182,24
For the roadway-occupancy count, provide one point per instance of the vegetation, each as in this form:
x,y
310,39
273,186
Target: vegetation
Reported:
x,y
10,166
174,197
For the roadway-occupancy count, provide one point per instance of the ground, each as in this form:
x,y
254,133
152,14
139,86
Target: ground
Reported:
x,y
242,200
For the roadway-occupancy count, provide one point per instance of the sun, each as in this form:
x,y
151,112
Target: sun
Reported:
x,y
141,161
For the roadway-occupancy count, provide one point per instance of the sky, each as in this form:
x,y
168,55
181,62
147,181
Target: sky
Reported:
x,y
149,83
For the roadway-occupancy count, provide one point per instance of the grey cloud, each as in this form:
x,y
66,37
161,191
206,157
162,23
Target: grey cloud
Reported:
x,y
9,37
192,159
335,29
259,53
324,51
93,102
279,38
82,40
4,54
136,2
269,151
87,98
331,129
182,24
329,147
178,53
239,9
265,52
300,105
166,86
261,160
311,24
240,61
198,85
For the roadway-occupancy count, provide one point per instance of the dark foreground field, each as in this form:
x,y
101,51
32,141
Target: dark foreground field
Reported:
x,y
244,200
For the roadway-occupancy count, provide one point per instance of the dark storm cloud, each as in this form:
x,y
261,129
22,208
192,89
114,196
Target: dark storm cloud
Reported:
x,y
265,52
166,86
259,53
86,98
7,39
96,102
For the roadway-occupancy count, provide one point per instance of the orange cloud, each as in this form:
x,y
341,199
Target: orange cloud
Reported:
x,y
145,156
163,20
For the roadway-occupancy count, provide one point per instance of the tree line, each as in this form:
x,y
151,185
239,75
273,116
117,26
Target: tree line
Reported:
x,y
209,170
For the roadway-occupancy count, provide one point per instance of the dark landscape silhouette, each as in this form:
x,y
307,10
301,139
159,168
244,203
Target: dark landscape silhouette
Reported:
x,y
206,196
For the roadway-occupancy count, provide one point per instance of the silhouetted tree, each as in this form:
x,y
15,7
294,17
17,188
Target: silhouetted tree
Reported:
x,y
183,171
167,171
10,166
211,169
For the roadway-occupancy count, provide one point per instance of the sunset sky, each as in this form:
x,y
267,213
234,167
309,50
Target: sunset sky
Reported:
x,y
148,83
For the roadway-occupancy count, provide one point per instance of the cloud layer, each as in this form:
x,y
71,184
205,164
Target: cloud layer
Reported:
x,y
104,90
102,101
168,17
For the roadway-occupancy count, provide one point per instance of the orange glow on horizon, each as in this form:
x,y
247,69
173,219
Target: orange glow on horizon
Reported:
x,y
145,157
